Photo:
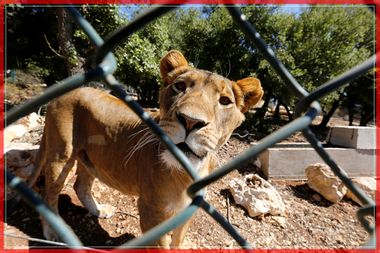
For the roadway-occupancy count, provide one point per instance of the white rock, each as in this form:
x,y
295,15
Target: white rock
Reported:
x,y
322,180
21,127
280,221
13,132
257,196
367,184
30,121
19,242
20,146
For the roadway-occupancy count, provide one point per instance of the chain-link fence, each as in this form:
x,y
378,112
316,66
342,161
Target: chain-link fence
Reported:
x,y
104,66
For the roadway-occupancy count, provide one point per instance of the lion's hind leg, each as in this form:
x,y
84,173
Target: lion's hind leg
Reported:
x,y
56,170
83,186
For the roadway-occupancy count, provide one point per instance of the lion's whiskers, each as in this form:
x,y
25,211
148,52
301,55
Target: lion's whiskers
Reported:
x,y
145,139
138,132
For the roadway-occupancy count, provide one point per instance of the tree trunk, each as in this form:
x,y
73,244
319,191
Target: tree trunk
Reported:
x,y
279,103
351,113
276,113
290,115
74,63
328,116
366,117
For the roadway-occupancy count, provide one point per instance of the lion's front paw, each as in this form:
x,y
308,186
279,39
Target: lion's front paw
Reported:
x,y
106,211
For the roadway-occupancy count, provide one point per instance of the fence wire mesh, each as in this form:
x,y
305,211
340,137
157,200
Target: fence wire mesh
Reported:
x,y
105,64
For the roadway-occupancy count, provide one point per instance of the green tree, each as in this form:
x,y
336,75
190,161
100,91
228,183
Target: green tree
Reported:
x,y
212,41
316,45
138,58
333,41
34,44
31,44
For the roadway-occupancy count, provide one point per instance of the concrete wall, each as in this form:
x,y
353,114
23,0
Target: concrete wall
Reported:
x,y
290,162
352,137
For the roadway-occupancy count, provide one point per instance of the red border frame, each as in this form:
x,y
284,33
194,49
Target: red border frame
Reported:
x,y
190,2
2,59
377,106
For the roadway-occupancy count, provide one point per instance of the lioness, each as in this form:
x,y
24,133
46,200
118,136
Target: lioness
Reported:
x,y
198,110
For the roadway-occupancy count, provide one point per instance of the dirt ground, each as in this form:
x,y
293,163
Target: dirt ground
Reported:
x,y
310,221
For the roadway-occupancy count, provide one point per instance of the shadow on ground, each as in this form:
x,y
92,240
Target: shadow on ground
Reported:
x,y
84,225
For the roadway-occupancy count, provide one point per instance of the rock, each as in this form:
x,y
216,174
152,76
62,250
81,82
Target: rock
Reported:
x,y
20,154
33,120
257,196
119,231
280,221
321,179
19,159
367,184
21,127
12,132
18,240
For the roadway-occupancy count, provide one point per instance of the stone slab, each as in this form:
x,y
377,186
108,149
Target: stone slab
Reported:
x,y
352,137
15,238
290,162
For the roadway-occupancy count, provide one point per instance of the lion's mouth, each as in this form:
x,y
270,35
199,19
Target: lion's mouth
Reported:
x,y
187,150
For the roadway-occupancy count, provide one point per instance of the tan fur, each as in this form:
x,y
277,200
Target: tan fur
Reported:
x,y
111,143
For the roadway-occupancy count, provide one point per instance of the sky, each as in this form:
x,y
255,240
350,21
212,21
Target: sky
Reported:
x,y
128,10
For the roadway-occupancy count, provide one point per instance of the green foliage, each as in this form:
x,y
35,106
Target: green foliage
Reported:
x,y
32,37
28,38
36,70
138,58
316,45
332,42
214,43
137,68
104,19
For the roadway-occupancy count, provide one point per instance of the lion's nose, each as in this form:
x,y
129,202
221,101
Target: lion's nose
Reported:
x,y
190,123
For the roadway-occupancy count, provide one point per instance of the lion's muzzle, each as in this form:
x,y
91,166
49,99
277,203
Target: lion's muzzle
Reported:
x,y
187,150
190,123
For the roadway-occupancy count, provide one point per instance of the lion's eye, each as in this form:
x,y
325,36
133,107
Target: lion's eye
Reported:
x,y
180,86
225,100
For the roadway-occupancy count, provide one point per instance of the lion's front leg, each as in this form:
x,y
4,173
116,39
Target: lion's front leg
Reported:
x,y
178,237
83,186
152,215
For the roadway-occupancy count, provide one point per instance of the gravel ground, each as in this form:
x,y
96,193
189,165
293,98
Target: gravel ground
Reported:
x,y
310,222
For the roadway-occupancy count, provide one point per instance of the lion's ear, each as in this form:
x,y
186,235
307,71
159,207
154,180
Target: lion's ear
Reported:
x,y
173,60
248,92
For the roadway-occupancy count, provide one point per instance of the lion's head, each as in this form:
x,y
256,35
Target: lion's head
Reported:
x,y
199,109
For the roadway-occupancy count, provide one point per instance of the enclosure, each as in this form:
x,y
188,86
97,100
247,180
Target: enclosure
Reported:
x,y
103,67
